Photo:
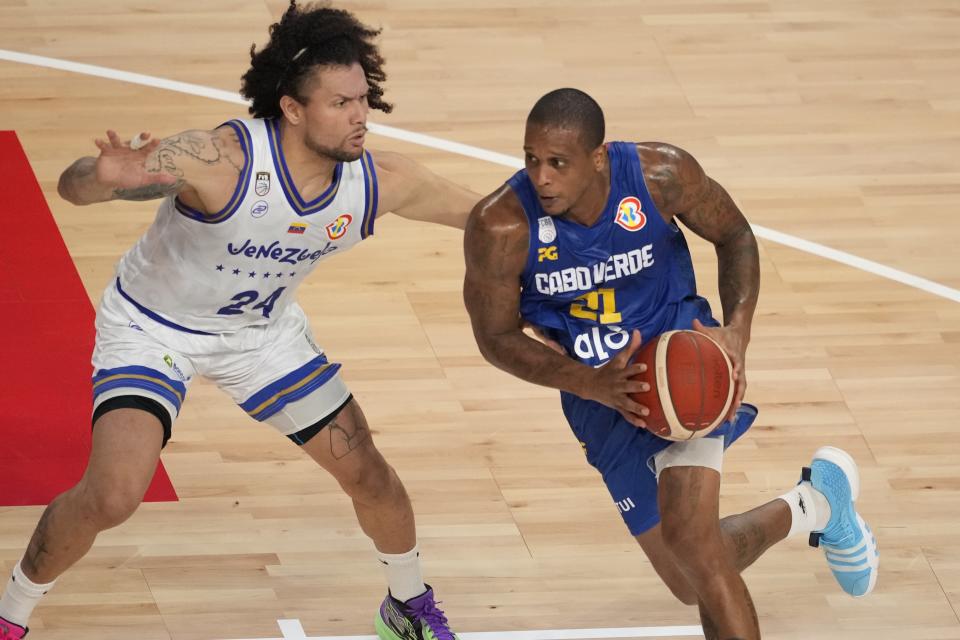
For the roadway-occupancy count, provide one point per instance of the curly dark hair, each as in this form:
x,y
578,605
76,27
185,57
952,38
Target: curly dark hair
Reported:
x,y
305,37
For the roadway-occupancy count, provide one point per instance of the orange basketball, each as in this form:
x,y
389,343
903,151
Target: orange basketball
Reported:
x,y
691,384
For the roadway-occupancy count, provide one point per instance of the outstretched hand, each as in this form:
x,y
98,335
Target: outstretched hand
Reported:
x,y
734,343
613,383
123,164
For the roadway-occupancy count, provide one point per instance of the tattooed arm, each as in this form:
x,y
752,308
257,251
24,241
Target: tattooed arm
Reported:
x,y
680,187
201,165
496,242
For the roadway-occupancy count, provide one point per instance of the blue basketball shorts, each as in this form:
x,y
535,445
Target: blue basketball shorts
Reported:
x,y
623,454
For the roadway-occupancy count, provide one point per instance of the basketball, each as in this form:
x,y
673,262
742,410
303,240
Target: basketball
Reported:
x,y
691,384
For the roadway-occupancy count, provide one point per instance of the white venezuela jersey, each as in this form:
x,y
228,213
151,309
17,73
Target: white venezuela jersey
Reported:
x,y
240,266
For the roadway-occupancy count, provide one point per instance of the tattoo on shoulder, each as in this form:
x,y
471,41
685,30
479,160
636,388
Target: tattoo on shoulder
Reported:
x,y
675,175
198,146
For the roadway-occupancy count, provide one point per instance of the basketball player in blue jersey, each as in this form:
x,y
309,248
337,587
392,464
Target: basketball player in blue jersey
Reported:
x,y
583,245
249,208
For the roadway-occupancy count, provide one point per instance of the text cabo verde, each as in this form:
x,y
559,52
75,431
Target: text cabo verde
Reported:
x,y
285,255
586,278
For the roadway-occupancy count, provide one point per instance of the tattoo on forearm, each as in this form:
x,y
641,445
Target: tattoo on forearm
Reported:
x,y
199,146
149,192
716,218
739,273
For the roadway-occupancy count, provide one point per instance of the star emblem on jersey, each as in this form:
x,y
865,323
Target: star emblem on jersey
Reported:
x,y
262,185
629,215
337,228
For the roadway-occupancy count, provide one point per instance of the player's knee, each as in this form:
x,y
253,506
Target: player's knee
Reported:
x,y
109,505
690,545
370,482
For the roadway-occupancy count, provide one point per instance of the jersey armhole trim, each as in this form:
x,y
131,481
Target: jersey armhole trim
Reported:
x,y
371,193
239,192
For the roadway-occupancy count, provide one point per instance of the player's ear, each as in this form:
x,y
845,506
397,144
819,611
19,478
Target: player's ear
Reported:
x,y
599,156
292,110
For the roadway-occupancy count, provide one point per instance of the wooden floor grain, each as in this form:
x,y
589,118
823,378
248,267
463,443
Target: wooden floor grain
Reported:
x,y
838,122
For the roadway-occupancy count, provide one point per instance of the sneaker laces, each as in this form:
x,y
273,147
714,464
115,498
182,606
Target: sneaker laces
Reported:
x,y
431,614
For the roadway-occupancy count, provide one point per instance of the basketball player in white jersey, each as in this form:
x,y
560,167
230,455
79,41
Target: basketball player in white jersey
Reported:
x,y
249,209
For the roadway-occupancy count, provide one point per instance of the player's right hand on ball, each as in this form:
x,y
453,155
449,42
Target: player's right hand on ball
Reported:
x,y
123,166
612,385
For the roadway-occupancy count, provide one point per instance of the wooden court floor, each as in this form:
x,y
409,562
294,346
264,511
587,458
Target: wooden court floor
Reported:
x,y
836,122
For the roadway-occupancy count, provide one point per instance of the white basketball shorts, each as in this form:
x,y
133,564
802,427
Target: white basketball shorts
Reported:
x,y
275,372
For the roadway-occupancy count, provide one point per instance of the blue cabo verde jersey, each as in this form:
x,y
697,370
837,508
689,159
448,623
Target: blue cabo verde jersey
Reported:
x,y
589,287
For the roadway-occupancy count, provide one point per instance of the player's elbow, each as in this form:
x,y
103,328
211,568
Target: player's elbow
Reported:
x,y
65,190
491,347
487,347
71,179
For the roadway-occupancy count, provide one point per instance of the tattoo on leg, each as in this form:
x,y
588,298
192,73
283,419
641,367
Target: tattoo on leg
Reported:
x,y
346,436
37,549
747,540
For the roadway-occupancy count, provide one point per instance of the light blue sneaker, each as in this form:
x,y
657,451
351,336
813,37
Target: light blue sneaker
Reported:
x,y
847,541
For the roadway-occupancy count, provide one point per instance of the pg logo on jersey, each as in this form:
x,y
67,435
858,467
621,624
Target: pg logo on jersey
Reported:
x,y
547,253
338,227
629,215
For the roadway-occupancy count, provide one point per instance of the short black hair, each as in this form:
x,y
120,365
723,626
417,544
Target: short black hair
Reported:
x,y
571,109
304,38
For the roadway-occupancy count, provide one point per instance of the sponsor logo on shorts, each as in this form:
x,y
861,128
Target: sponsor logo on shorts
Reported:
x,y
625,505
173,365
135,326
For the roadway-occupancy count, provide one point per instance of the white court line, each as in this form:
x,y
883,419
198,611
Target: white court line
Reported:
x,y
794,242
292,630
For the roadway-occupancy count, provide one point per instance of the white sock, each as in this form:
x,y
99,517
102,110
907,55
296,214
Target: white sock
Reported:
x,y
21,596
809,507
403,574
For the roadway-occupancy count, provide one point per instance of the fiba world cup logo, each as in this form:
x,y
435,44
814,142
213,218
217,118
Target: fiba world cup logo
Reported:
x,y
629,215
338,227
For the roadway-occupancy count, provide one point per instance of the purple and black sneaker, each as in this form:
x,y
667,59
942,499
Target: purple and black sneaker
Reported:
x,y
416,619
